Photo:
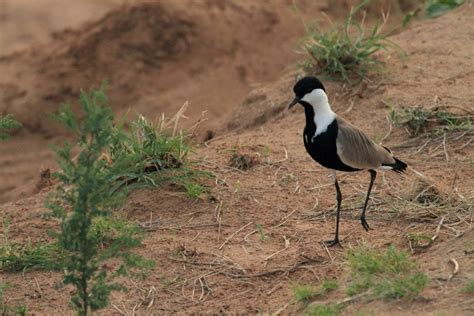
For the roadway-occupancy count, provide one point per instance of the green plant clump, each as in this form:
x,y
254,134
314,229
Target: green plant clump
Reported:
x,y
150,155
83,198
304,293
419,119
7,123
435,8
15,257
469,287
346,51
324,310
388,275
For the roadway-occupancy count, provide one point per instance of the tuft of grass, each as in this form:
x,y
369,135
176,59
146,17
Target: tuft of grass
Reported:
x,y
329,285
7,124
419,119
15,257
469,287
150,155
388,275
194,190
324,309
304,293
346,51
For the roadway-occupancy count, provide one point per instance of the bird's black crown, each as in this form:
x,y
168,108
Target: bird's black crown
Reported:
x,y
306,85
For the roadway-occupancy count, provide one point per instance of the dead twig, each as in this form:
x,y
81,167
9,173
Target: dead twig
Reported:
x,y
235,233
455,269
438,228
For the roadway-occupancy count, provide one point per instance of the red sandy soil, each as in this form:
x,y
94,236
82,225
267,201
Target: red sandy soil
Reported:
x,y
286,192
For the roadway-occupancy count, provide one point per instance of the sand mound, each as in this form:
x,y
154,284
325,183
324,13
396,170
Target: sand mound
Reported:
x,y
155,56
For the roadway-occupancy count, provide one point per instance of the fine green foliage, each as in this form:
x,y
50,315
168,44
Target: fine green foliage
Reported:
x,y
346,51
84,198
304,293
432,9
6,309
419,119
15,257
388,275
7,123
324,310
435,8
150,155
469,287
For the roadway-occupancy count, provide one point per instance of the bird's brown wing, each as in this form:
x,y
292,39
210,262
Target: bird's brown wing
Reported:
x,y
357,150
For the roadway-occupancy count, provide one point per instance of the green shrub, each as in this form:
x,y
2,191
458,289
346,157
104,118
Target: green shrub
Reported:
x,y
84,197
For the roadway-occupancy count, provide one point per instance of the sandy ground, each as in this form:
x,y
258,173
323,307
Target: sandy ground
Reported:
x,y
288,194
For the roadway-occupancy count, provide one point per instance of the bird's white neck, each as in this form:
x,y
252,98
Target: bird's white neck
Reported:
x,y
323,114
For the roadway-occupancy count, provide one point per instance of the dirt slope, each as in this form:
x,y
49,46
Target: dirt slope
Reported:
x,y
155,56
216,243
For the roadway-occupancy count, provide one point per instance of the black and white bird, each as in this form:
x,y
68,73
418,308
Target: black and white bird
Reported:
x,y
337,145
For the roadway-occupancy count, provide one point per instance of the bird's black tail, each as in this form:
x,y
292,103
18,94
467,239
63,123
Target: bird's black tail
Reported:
x,y
399,166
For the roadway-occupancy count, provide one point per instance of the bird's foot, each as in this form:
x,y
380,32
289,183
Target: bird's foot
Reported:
x,y
330,243
364,223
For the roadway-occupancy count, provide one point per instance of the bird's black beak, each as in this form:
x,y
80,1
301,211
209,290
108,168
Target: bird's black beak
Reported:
x,y
295,101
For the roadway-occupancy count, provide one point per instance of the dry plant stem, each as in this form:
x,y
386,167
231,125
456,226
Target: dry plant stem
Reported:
x,y
352,298
281,309
235,233
438,229
178,115
390,127
455,269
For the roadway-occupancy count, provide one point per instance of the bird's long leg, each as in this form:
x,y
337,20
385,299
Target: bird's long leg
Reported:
x,y
335,241
373,174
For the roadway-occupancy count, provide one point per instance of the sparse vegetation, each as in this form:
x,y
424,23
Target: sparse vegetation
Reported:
x,y
150,155
7,124
5,308
304,293
85,197
435,8
324,310
469,287
15,257
419,119
432,9
388,275
346,51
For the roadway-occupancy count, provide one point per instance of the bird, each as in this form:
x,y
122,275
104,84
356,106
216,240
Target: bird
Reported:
x,y
338,145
